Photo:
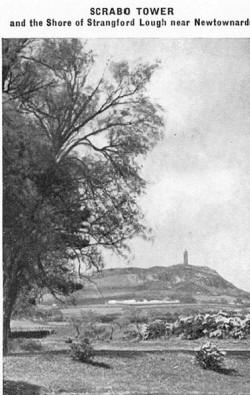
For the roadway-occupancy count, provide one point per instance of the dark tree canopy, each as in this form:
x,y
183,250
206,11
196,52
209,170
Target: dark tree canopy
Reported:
x,y
73,145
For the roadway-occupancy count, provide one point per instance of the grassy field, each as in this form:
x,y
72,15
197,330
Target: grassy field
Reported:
x,y
128,373
133,374
99,322
181,308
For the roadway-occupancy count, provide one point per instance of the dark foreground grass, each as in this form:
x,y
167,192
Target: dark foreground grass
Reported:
x,y
21,387
133,374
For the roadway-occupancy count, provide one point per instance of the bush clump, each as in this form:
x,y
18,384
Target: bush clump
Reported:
x,y
210,357
221,325
81,350
154,330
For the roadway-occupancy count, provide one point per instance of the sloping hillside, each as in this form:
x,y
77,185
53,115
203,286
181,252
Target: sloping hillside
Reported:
x,y
160,282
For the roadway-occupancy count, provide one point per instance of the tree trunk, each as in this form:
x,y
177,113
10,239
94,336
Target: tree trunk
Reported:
x,y
10,295
6,331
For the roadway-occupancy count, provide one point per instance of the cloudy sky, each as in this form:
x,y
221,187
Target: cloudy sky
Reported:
x,y
198,197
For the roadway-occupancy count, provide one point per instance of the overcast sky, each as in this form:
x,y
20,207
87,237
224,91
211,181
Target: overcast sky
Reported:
x,y
198,197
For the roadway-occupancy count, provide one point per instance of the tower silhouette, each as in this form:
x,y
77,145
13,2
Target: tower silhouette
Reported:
x,y
185,258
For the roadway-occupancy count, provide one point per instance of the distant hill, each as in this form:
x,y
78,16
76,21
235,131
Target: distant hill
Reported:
x,y
181,282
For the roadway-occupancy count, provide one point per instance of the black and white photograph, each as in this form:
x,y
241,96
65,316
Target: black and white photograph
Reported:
x,y
126,216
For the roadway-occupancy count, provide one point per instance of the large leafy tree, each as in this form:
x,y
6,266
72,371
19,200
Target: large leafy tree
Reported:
x,y
73,145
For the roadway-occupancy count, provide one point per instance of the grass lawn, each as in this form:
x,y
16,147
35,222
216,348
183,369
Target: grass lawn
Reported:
x,y
134,374
181,308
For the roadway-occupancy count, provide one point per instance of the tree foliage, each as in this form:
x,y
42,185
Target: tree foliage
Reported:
x,y
73,144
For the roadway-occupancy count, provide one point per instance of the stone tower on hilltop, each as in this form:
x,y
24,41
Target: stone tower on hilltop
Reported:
x,y
185,258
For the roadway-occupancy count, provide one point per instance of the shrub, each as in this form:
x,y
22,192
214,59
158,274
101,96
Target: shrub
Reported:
x,y
189,327
221,325
131,333
81,350
154,330
210,357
